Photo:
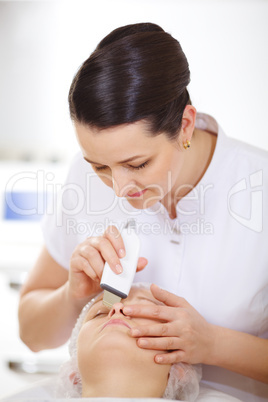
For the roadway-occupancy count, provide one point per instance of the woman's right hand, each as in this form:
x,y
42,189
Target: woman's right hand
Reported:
x,y
88,259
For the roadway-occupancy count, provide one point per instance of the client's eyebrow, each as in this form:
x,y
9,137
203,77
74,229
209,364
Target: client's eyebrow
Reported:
x,y
95,306
158,303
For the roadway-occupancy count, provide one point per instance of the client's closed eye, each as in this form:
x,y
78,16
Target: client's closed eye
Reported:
x,y
100,313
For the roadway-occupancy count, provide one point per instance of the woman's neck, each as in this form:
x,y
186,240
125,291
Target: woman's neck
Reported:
x,y
196,163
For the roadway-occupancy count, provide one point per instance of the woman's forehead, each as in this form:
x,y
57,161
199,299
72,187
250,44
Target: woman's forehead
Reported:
x,y
120,143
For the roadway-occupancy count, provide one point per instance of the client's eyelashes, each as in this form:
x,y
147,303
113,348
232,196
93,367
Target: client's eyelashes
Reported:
x,y
100,313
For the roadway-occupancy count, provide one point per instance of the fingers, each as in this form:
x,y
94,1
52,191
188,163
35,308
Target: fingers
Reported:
x,y
161,329
91,258
149,311
163,343
91,255
142,262
168,298
170,358
107,251
80,264
114,236
171,344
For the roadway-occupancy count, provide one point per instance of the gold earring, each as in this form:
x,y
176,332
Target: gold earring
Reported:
x,y
187,144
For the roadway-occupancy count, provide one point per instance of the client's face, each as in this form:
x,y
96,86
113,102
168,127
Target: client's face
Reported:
x,y
105,346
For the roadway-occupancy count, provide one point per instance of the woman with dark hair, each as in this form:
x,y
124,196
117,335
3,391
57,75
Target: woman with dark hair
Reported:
x,y
200,203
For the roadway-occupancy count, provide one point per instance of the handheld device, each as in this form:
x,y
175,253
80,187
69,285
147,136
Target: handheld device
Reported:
x,y
117,286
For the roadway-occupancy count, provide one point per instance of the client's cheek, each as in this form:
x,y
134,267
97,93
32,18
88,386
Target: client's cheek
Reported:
x,y
84,342
80,348
86,357
145,322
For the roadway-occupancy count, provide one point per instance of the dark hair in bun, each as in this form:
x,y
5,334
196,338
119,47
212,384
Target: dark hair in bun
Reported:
x,y
137,72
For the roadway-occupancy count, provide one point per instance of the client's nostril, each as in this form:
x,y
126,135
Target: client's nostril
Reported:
x,y
116,309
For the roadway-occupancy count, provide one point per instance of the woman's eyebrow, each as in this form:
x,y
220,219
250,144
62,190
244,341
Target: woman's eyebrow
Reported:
x,y
124,161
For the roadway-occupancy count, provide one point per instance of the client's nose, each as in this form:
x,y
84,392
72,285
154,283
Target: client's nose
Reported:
x,y
116,309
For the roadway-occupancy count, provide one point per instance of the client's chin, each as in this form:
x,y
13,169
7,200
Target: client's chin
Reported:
x,y
113,350
114,366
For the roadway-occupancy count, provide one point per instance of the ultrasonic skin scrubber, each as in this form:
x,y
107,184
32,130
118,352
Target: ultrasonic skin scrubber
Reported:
x,y
117,286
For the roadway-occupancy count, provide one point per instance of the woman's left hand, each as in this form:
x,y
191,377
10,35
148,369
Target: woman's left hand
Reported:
x,y
182,332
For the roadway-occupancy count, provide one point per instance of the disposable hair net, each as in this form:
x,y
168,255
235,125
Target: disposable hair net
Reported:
x,y
183,381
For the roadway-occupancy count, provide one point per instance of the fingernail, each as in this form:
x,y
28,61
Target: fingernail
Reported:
x,y
121,253
143,342
119,268
143,260
127,310
135,332
159,359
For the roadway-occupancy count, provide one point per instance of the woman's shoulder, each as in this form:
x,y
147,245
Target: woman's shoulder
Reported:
x,y
245,158
245,149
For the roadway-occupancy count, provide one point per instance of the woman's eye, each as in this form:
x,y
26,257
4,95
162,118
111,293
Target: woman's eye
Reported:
x,y
140,166
99,168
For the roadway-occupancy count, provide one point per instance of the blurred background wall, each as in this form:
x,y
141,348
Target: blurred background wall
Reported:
x,y
42,44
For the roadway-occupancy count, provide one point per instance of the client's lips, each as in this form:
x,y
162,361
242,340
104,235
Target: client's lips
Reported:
x,y
116,321
138,194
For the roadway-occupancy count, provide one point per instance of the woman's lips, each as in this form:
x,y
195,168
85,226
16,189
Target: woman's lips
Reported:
x,y
137,194
116,321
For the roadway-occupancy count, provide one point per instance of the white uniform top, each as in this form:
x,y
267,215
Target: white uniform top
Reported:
x,y
214,254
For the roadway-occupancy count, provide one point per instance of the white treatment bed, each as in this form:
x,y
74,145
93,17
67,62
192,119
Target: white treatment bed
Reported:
x,y
43,391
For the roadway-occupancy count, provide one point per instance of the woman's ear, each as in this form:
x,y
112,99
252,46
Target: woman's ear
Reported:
x,y
188,123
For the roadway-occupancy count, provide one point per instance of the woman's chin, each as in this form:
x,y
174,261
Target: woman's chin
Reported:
x,y
139,203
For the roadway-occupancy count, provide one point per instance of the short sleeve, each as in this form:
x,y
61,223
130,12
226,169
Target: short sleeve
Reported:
x,y
59,239
83,207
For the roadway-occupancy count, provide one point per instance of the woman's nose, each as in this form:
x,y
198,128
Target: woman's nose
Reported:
x,y
116,309
121,184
